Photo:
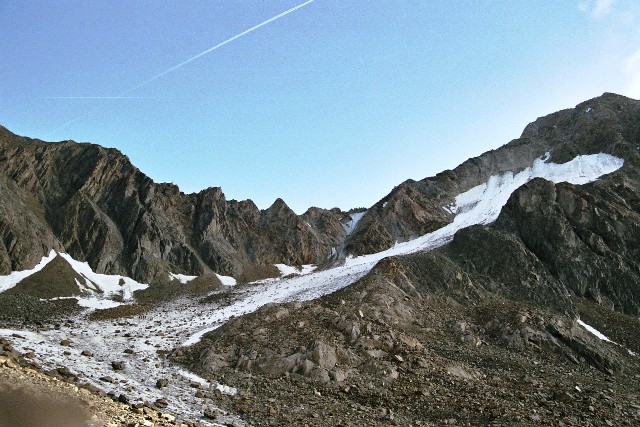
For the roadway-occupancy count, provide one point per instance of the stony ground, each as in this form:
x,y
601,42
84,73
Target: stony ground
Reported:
x,y
29,311
396,360
30,397
383,351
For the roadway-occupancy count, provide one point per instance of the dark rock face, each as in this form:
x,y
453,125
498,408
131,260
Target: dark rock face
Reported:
x,y
586,237
608,124
92,203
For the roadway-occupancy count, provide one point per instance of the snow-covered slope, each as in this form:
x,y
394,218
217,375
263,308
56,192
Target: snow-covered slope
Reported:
x,y
482,204
184,279
9,281
100,288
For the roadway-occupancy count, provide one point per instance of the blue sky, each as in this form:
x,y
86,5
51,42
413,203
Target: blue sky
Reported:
x,y
332,104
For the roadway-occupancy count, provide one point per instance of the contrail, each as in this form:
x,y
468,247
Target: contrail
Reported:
x,y
219,45
106,97
183,63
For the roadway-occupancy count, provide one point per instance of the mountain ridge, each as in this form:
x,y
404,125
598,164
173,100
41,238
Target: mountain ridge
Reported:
x,y
128,215
565,134
94,204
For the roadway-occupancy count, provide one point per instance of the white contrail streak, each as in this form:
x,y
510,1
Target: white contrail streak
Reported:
x,y
106,97
183,63
219,45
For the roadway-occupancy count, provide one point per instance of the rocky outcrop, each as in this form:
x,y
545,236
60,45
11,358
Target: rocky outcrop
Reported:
x,y
92,203
586,237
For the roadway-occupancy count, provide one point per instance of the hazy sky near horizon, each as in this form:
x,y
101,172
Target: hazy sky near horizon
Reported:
x,y
330,104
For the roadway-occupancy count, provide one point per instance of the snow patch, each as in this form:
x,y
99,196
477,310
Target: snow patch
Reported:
x,y
227,280
193,377
182,278
97,304
9,281
350,225
109,284
603,337
101,287
482,204
286,270
594,331
27,335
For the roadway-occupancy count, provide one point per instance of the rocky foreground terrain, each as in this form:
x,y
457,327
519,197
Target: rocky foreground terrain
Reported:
x,y
30,397
459,309
384,352
483,331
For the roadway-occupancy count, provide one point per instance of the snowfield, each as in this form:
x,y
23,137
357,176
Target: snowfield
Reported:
x,y
181,323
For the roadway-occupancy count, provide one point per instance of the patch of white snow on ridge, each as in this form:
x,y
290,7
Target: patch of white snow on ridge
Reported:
x,y
603,337
97,304
109,284
9,281
182,278
286,270
94,282
227,280
350,226
482,204
594,331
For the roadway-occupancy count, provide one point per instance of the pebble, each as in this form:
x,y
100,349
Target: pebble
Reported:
x,y
117,365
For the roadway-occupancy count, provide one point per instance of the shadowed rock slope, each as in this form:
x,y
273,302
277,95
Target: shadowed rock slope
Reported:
x,y
92,203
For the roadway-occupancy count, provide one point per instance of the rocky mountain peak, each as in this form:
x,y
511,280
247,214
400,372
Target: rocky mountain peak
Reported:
x,y
606,124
